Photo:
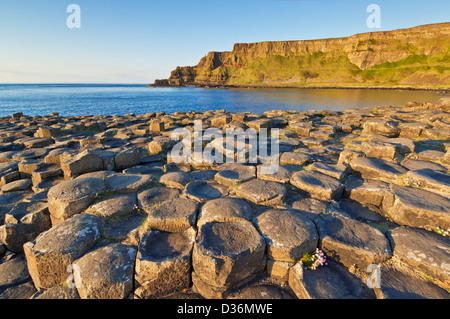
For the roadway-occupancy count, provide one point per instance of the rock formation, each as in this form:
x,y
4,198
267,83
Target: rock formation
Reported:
x,y
407,58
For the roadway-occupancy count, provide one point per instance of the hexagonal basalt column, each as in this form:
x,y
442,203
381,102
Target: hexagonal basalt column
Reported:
x,y
225,256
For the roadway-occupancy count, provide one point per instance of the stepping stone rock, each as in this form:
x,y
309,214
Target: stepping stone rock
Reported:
x,y
174,216
81,163
381,127
114,207
413,165
437,182
225,210
310,207
415,207
402,284
375,168
282,173
367,191
262,192
59,292
24,223
294,158
163,263
18,185
72,197
127,158
338,171
235,174
225,256
175,179
351,242
288,235
127,183
106,273
21,291
381,150
54,250
13,272
151,198
319,185
328,282
205,190
261,292
422,250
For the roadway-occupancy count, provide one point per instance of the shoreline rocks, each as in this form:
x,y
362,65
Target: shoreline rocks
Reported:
x,y
99,198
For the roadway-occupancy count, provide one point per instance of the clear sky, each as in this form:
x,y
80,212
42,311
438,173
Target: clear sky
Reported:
x,y
137,41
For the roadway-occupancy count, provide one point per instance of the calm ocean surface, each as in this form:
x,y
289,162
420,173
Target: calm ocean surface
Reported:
x,y
107,99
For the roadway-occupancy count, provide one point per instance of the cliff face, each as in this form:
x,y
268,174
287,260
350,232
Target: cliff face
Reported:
x,y
417,57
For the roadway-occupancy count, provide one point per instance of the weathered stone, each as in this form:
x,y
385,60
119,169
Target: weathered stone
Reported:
x,y
422,250
59,155
18,185
366,191
288,235
24,223
225,210
412,129
374,168
173,216
114,207
127,183
317,184
437,182
54,250
401,283
226,255
294,158
413,165
338,171
431,155
156,126
175,179
48,132
45,172
13,272
127,158
106,273
58,293
159,144
310,207
381,150
72,197
163,263
329,282
21,291
282,173
262,192
382,127
151,198
205,190
351,242
38,142
260,292
235,174
347,155
417,207
81,163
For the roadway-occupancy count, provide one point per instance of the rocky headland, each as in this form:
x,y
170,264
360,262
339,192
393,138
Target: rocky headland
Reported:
x,y
413,58
94,207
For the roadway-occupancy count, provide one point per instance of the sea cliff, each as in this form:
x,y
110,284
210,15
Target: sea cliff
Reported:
x,y
406,58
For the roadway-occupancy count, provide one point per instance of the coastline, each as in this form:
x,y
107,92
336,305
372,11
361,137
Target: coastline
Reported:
x,y
356,188
442,90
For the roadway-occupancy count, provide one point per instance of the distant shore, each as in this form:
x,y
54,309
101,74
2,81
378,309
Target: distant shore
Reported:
x,y
440,90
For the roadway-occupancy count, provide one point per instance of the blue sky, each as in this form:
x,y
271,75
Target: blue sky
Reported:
x,y
137,41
